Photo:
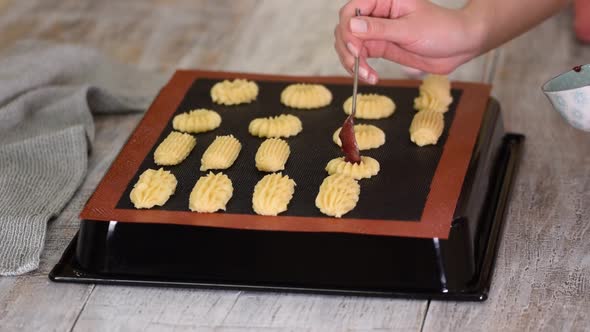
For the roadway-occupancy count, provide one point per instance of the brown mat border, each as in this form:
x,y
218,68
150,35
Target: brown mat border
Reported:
x,y
438,211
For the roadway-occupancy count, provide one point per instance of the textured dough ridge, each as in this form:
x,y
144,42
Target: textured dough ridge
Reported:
x,y
272,194
238,91
306,96
426,127
272,155
284,125
211,193
367,136
370,106
221,154
435,94
174,148
338,195
367,168
196,121
154,187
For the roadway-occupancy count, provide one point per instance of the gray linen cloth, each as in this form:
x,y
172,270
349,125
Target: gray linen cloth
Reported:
x,y
47,96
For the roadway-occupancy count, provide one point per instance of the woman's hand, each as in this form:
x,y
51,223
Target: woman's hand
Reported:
x,y
414,33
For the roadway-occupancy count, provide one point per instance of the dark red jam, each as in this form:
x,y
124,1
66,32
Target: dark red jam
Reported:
x,y
577,69
348,139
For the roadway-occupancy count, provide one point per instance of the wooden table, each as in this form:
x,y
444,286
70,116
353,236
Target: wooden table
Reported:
x,y
542,277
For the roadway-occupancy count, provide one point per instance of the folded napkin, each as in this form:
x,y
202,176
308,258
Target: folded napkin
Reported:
x,y
47,96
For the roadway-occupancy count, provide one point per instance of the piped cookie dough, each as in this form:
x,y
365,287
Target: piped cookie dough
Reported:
x,y
284,125
306,96
238,91
153,188
272,194
338,195
370,106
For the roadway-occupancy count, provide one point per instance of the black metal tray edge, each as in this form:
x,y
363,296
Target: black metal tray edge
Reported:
x,y
66,269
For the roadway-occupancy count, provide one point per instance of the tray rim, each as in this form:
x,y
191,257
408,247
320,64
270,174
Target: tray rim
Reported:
x,y
66,270
440,205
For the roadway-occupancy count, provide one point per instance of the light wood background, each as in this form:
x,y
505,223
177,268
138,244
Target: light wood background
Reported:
x,y
542,277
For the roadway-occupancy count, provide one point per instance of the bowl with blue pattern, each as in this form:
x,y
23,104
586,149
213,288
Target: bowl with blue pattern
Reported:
x,y
569,93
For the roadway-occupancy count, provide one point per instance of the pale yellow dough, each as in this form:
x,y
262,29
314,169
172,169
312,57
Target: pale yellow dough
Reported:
x,y
272,155
338,195
221,154
370,106
426,127
153,188
196,121
238,91
435,94
211,193
367,168
306,96
174,149
284,125
272,194
367,136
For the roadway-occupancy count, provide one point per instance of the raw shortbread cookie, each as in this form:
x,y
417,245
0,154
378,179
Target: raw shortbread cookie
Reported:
x,y
221,154
306,96
370,106
367,168
435,94
284,125
426,127
174,148
153,188
338,195
196,121
238,91
211,193
272,155
272,194
367,136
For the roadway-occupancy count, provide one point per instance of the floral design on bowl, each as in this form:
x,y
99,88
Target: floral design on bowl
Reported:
x,y
569,93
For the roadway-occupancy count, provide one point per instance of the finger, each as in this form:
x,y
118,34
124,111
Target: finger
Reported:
x,y
378,8
366,72
349,10
346,58
347,52
397,31
353,44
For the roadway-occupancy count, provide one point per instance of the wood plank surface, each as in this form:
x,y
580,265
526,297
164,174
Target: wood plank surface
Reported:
x,y
33,303
161,35
542,276
157,309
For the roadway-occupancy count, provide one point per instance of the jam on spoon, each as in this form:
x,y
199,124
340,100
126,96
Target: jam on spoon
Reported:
x,y
577,69
348,139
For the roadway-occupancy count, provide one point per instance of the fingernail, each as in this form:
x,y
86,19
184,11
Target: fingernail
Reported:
x,y
352,49
372,79
363,73
358,25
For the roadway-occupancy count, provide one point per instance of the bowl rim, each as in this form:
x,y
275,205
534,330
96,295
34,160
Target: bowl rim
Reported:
x,y
545,88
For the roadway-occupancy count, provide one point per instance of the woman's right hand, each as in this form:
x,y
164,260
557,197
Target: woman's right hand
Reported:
x,y
414,33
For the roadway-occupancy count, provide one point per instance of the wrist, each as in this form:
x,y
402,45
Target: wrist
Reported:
x,y
477,28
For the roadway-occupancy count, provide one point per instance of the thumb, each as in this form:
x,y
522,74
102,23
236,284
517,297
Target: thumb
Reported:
x,y
372,28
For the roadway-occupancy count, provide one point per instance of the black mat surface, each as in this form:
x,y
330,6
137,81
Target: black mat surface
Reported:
x,y
398,192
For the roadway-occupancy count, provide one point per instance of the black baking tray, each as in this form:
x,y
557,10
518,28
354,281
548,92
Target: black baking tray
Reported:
x,y
458,268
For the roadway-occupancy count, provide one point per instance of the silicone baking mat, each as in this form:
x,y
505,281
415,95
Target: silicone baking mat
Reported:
x,y
415,193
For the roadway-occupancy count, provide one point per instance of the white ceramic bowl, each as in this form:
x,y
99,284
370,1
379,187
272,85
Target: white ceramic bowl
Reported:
x,y
570,95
